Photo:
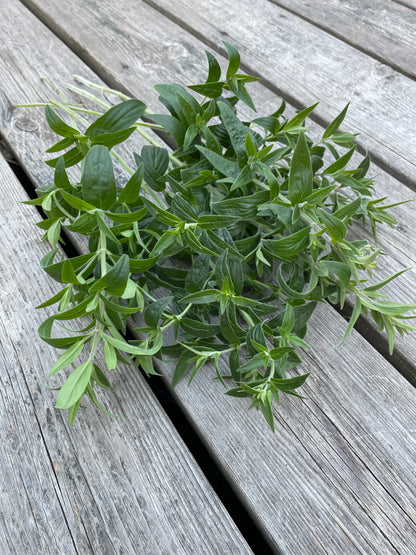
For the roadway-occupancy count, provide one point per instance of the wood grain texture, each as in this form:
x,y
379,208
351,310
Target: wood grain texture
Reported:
x,y
126,485
380,28
338,475
162,52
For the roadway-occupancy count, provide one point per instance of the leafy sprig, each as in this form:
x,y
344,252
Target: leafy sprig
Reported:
x,y
229,242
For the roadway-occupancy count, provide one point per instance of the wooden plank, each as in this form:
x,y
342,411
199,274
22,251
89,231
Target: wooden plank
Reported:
x,y
380,28
126,485
339,486
408,3
176,56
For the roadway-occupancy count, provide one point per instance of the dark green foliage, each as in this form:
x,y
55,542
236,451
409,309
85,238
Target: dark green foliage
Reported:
x,y
230,241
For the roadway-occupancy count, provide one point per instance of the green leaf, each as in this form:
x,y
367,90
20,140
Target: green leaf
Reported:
x,y
54,299
335,227
384,282
75,386
127,217
280,352
335,124
55,269
198,274
209,89
288,319
139,265
354,317
300,117
172,125
349,210
242,207
54,232
214,72
222,269
236,130
131,191
195,244
215,221
58,125
117,118
198,329
224,166
115,280
68,273
233,59
112,139
155,310
110,355
339,270
98,182
71,158
60,178
289,384
340,163
301,174
122,345
155,163
182,367
257,306
287,248
68,357
266,409
78,203
202,297
183,209
61,145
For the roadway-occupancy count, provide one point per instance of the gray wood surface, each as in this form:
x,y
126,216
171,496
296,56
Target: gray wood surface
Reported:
x,y
126,485
380,28
338,474
139,56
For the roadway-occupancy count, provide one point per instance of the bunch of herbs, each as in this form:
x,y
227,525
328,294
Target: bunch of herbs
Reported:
x,y
227,243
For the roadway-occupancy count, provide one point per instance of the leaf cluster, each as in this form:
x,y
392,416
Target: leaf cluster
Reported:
x,y
226,244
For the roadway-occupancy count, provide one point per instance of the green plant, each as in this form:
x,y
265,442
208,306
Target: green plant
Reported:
x,y
243,228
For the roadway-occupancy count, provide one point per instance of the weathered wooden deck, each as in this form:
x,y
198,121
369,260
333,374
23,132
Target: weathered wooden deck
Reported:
x,y
339,474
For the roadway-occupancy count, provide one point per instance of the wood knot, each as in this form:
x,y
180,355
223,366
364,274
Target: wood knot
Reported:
x,y
25,123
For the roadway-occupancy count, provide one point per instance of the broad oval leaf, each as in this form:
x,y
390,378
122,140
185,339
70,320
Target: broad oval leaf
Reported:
x,y
117,118
98,182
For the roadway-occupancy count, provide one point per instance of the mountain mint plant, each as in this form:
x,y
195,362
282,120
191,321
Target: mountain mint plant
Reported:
x,y
226,243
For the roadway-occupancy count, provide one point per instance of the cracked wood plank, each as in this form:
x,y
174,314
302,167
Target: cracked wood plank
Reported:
x,y
125,485
380,28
